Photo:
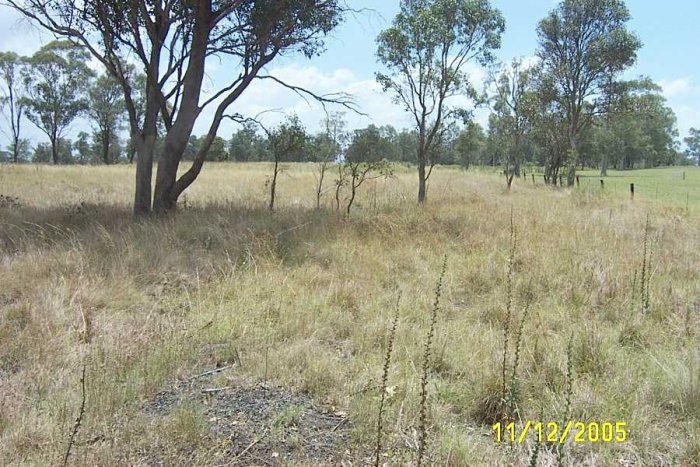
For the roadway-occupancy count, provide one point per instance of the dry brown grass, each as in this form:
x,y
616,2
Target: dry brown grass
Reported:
x,y
151,302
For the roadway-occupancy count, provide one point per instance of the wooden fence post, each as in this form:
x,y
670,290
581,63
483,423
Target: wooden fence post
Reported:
x,y
631,190
602,183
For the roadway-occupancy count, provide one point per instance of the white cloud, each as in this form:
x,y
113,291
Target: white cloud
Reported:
x,y
683,96
679,87
264,95
688,117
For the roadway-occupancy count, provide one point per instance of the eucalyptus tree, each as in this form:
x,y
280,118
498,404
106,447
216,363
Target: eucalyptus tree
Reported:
x,y
171,42
513,101
106,110
365,159
582,43
693,143
470,143
55,89
426,51
329,145
12,70
83,148
638,127
246,144
286,142
549,126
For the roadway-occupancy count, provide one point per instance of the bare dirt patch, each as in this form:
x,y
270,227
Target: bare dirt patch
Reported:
x,y
253,424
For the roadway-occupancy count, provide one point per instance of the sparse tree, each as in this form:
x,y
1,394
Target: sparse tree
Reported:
x,y
513,97
470,144
55,89
13,70
217,150
406,146
364,160
246,144
549,129
426,50
581,44
83,148
106,110
286,140
43,153
340,181
23,150
330,144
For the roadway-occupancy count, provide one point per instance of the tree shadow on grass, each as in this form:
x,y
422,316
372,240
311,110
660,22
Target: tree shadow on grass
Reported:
x,y
213,232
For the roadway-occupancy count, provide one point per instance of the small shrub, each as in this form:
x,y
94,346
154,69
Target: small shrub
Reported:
x,y
288,416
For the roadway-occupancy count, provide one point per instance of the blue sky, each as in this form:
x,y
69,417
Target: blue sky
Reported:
x,y
670,56
668,30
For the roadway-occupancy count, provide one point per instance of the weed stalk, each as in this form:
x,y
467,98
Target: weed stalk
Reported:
x,y
423,419
78,419
385,379
569,392
509,306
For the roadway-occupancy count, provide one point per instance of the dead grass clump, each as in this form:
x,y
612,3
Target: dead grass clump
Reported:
x,y
9,202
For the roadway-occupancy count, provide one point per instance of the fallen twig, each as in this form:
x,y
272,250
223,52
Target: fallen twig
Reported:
x,y
210,372
213,390
339,425
250,446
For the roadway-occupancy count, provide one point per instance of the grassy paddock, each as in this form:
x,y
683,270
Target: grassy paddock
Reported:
x,y
304,299
665,186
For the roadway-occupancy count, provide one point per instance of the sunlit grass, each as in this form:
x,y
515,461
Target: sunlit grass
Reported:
x,y
305,298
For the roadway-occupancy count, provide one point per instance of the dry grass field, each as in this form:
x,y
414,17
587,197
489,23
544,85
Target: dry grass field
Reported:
x,y
228,335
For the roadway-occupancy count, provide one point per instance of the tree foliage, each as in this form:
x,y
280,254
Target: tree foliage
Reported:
x,y
13,70
426,50
106,110
514,104
286,141
582,44
55,89
693,143
365,160
246,144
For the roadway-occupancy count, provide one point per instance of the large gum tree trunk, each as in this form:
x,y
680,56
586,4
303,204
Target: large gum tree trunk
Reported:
x,y
166,191
163,199
167,188
144,171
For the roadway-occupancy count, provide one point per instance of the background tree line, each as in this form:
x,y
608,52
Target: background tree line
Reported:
x,y
55,87
568,109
